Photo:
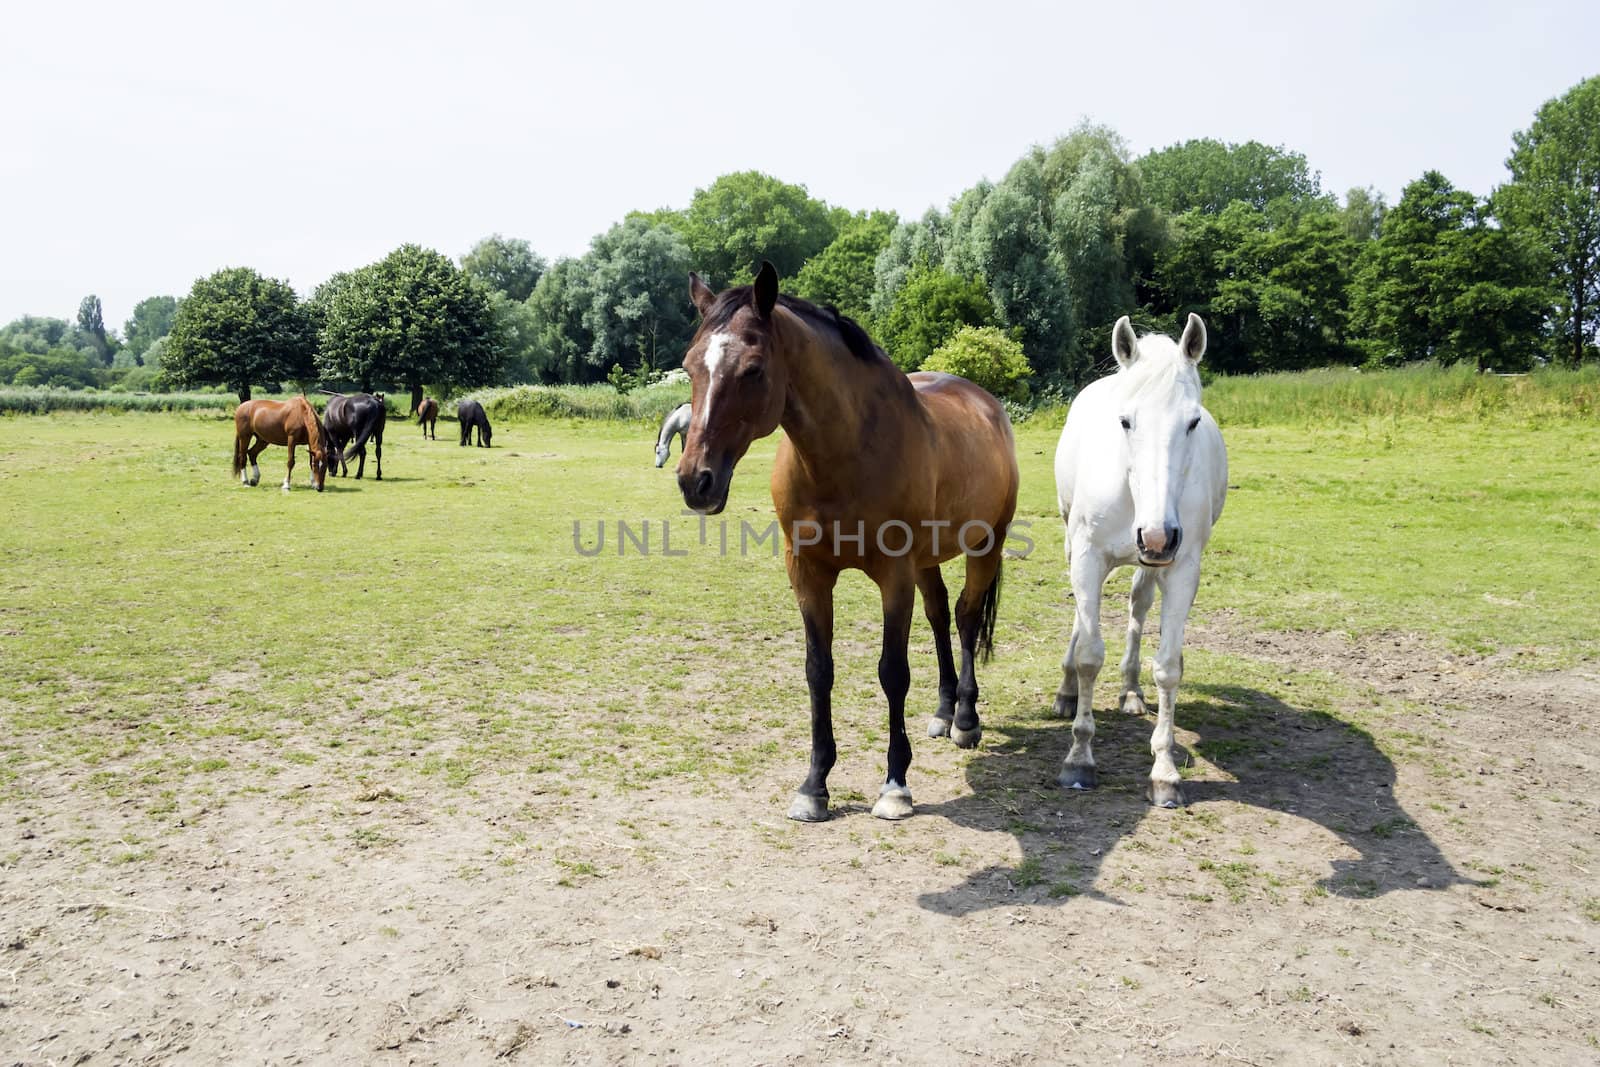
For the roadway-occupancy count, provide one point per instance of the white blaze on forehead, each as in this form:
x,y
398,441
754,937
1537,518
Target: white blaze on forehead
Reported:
x,y
716,353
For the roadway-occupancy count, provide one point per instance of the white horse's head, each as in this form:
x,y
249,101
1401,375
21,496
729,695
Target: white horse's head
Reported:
x,y
1159,406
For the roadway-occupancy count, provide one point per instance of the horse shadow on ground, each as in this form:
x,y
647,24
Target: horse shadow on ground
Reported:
x,y
1294,763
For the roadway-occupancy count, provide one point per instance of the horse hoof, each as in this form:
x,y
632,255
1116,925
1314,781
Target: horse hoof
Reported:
x,y
1133,703
1165,795
966,738
938,727
1077,778
1066,706
808,809
894,802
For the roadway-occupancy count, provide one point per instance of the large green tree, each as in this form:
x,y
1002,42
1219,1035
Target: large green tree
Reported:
x,y
636,315
1207,175
151,320
507,265
561,339
239,329
1554,196
743,218
92,321
931,305
841,275
1443,282
411,318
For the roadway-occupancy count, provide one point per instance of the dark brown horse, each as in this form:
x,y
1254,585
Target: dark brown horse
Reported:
x,y
259,423
428,417
353,421
877,472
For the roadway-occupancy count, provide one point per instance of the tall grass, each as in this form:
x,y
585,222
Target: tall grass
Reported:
x,y
22,400
1426,391
581,402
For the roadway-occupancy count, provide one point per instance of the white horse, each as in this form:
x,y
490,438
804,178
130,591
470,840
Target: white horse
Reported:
x,y
1141,475
675,424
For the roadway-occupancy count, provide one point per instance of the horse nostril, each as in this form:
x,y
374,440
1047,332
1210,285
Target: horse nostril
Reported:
x,y
702,483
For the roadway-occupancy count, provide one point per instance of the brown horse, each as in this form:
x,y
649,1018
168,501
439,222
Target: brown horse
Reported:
x,y
877,472
278,422
428,417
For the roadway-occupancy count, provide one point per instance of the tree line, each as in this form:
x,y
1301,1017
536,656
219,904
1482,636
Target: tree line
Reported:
x,y
1019,279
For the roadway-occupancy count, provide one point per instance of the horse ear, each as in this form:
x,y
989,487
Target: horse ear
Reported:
x,y
1124,343
764,294
1193,343
700,294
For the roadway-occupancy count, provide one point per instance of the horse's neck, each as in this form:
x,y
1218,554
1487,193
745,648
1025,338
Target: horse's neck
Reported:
x,y
833,397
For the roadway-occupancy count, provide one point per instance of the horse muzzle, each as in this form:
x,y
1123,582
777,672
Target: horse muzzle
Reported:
x,y
706,489
1161,548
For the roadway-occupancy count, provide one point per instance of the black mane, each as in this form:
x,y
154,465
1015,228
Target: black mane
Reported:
x,y
729,301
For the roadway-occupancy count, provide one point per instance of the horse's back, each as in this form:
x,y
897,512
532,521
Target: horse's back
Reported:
x,y
975,450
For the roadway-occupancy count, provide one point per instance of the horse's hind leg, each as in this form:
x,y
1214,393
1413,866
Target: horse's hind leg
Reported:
x,y
1144,593
894,674
377,450
255,453
289,471
982,571
1178,586
361,462
936,606
1086,653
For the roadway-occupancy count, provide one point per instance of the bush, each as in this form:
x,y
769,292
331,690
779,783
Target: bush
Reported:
x,y
985,356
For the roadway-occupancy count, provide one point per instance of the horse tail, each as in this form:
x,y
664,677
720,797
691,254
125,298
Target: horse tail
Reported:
x,y
361,438
991,608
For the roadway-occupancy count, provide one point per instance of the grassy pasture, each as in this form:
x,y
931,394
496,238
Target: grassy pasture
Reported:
x,y
138,579
421,688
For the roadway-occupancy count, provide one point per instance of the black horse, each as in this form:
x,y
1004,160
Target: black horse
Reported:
x,y
470,413
351,421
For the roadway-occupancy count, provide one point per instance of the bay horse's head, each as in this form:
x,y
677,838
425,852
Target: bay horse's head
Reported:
x,y
1160,410
319,444
738,385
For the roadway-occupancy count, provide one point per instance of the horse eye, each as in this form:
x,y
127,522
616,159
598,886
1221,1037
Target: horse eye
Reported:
x,y
752,372
1126,425
1192,424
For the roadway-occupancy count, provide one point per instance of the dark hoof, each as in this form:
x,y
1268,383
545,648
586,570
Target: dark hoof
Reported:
x,y
1165,794
966,738
1077,778
938,727
1066,706
808,809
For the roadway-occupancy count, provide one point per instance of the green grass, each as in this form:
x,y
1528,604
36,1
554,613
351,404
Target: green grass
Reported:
x,y
170,637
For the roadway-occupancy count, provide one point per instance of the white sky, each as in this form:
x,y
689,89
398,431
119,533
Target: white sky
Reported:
x,y
143,145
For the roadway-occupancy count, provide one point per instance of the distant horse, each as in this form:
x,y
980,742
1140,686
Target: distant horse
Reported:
x,y
676,424
876,472
352,422
1141,475
278,422
470,414
428,416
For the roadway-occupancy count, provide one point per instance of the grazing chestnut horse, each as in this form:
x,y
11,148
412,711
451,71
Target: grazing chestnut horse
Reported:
x,y
428,417
278,422
877,472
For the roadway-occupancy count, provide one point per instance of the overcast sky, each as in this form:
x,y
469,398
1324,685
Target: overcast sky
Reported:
x,y
143,145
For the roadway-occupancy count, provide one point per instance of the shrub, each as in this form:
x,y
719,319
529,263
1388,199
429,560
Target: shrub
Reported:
x,y
985,356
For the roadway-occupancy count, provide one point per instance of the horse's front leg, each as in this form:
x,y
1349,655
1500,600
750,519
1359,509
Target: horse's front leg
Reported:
x,y
377,450
894,674
1178,586
1144,594
813,588
1086,654
936,606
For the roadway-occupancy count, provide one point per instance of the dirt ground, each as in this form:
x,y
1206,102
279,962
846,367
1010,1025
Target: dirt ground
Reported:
x,y
1430,899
